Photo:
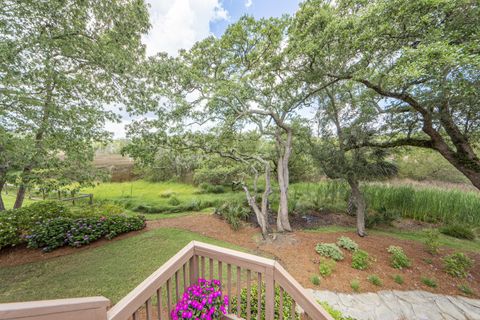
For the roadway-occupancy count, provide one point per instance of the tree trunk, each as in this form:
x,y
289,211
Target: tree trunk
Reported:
x,y
261,213
22,190
2,204
360,205
283,223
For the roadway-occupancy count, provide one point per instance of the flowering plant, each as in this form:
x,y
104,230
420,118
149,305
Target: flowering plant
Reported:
x,y
201,301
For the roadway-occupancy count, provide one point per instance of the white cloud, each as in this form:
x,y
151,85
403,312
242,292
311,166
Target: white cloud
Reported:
x,y
178,24
248,3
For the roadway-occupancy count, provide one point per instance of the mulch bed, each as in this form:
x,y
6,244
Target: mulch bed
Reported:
x,y
296,252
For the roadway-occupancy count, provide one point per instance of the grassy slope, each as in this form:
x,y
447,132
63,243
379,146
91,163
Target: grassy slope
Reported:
x,y
111,270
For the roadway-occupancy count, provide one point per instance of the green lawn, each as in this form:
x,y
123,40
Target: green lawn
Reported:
x,y
111,270
9,200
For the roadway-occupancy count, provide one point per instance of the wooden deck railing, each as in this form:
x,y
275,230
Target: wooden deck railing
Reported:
x,y
156,295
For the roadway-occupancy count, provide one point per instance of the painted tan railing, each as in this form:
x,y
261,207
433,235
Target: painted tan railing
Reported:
x,y
156,295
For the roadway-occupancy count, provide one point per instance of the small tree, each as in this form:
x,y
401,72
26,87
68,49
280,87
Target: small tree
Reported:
x,y
343,121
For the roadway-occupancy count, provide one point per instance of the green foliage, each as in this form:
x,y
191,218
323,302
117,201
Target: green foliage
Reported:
x,y
375,280
329,250
457,264
336,315
315,280
355,285
287,303
432,242
347,243
398,279
458,231
465,288
360,260
53,233
398,259
432,283
326,267
382,217
234,213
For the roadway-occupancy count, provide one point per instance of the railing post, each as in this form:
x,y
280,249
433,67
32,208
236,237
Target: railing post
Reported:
x,y
269,294
194,269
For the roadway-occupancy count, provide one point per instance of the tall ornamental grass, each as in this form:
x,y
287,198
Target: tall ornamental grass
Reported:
x,y
424,204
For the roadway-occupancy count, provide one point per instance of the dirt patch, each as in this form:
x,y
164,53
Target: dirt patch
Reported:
x,y
296,252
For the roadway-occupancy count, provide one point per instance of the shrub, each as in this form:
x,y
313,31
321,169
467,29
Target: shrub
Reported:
x,y
458,231
381,217
9,232
429,282
355,285
375,280
398,259
61,231
360,260
432,242
326,267
347,243
201,301
315,280
457,265
336,315
173,201
329,250
234,213
287,303
464,288
210,188
398,279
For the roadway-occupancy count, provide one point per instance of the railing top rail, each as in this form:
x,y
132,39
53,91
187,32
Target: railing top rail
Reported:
x,y
45,307
253,262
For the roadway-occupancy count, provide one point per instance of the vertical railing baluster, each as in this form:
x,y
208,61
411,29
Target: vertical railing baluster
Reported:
x,y
259,297
136,316
184,277
148,309
177,285
203,267
169,296
229,285
211,268
248,294
239,274
190,270
220,274
159,303
280,308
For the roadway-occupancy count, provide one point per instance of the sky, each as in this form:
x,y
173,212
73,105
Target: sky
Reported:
x,y
178,24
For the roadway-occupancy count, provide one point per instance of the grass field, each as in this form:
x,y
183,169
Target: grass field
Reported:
x,y
97,271
167,197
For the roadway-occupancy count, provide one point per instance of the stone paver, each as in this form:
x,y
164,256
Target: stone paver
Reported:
x,y
401,305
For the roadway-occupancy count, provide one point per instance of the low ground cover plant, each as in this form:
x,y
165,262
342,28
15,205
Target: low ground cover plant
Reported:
x,y
457,264
329,250
360,260
465,289
62,231
347,243
375,280
399,259
202,300
326,267
432,283
398,279
355,285
432,241
315,280
336,315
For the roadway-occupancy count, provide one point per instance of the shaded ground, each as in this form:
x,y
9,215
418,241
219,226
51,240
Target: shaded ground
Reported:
x,y
296,252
